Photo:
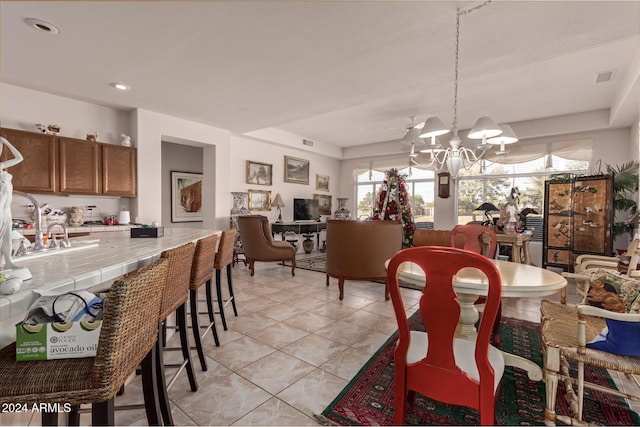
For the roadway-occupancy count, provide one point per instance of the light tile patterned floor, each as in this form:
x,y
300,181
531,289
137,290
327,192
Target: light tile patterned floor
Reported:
x,y
291,350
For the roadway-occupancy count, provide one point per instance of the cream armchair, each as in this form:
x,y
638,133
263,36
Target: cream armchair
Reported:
x,y
565,332
357,250
259,245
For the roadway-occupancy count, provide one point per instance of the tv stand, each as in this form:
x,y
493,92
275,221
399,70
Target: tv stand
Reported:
x,y
299,228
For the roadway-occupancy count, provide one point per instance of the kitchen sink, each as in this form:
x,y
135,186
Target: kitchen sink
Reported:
x,y
77,246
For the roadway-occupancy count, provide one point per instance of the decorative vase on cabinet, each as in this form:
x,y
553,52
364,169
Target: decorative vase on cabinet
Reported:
x,y
342,212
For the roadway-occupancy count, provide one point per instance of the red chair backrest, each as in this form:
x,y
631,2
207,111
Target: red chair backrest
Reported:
x,y
437,374
473,238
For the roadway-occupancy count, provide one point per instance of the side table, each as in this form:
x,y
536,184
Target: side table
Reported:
x,y
519,245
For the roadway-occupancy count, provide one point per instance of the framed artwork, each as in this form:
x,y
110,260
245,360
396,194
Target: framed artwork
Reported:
x,y
296,170
259,173
259,200
186,197
322,182
324,201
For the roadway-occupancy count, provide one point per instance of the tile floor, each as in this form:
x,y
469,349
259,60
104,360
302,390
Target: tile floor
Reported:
x,y
291,350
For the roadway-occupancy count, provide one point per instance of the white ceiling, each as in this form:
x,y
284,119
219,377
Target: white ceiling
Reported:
x,y
343,73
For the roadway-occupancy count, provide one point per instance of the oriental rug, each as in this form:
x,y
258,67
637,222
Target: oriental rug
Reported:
x,y
369,398
319,263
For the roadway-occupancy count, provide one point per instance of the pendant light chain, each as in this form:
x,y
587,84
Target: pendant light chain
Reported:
x,y
460,12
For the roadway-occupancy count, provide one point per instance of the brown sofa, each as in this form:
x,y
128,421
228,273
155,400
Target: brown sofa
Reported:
x,y
258,244
435,238
357,250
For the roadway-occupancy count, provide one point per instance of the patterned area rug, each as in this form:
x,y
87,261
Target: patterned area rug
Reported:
x,y
319,263
369,397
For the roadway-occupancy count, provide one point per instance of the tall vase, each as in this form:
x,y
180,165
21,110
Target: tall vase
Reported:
x,y
240,202
342,212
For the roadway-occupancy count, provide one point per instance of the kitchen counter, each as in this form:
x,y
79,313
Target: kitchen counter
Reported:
x,y
116,254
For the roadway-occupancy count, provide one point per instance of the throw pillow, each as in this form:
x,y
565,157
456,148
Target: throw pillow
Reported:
x,y
615,292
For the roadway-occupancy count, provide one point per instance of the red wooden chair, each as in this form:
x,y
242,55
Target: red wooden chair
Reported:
x,y
473,242
435,363
473,239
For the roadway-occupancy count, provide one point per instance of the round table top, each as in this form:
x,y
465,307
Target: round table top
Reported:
x,y
518,280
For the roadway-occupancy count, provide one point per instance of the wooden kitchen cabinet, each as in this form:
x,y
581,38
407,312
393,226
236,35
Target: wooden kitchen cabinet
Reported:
x,y
60,165
38,172
79,166
119,170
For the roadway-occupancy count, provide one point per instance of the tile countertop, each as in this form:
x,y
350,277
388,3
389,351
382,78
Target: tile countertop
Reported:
x,y
116,254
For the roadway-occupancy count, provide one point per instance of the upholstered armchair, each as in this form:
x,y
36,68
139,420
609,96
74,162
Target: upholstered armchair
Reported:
x,y
357,250
259,245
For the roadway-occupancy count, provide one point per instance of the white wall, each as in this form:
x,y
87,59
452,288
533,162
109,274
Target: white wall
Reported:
x,y
181,158
244,149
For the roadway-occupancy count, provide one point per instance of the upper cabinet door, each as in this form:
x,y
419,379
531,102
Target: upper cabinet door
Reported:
x,y
37,173
119,170
79,166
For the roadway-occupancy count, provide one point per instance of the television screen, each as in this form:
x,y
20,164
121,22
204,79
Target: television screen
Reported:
x,y
306,210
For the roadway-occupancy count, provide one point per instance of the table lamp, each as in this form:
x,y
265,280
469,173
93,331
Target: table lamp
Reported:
x,y
487,207
278,203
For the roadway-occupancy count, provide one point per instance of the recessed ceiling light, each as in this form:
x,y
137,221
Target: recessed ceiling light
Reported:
x,y
120,86
43,26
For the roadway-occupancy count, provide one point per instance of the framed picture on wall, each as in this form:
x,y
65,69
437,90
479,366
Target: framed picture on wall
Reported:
x,y
322,182
324,201
296,170
186,197
259,173
259,200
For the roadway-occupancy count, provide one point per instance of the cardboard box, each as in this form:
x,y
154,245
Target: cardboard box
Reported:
x,y
147,232
47,341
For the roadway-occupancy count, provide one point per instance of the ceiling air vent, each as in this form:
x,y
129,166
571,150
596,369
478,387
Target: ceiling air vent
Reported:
x,y
605,76
307,142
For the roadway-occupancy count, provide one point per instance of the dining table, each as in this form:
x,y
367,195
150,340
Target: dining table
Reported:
x,y
518,280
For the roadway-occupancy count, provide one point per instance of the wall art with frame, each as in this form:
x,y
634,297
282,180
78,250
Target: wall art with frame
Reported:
x,y
259,200
186,197
324,201
259,173
296,170
322,182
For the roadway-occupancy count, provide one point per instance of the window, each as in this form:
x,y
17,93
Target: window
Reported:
x,y
494,185
420,188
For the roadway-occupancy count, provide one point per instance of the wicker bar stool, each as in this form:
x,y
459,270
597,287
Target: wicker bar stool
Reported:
x,y
224,258
174,301
127,339
202,273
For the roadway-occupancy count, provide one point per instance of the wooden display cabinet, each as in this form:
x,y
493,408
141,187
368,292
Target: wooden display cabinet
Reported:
x,y
578,219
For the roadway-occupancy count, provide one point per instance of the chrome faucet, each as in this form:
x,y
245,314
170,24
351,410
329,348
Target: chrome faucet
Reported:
x,y
38,242
65,243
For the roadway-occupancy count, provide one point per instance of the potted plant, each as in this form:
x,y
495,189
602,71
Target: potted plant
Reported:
x,y
625,189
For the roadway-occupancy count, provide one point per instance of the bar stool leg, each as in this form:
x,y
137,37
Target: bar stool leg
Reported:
x,y
103,413
181,315
150,388
161,384
220,301
195,326
231,297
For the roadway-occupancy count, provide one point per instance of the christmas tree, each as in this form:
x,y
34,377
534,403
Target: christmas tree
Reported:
x,y
393,204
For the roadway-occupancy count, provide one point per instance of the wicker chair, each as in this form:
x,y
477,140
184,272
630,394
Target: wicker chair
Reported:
x,y
202,273
224,258
565,332
127,339
174,301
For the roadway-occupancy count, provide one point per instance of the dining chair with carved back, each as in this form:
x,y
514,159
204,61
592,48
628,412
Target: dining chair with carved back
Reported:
x,y
435,363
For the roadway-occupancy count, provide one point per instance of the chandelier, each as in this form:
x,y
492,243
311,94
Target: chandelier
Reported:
x,y
457,156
